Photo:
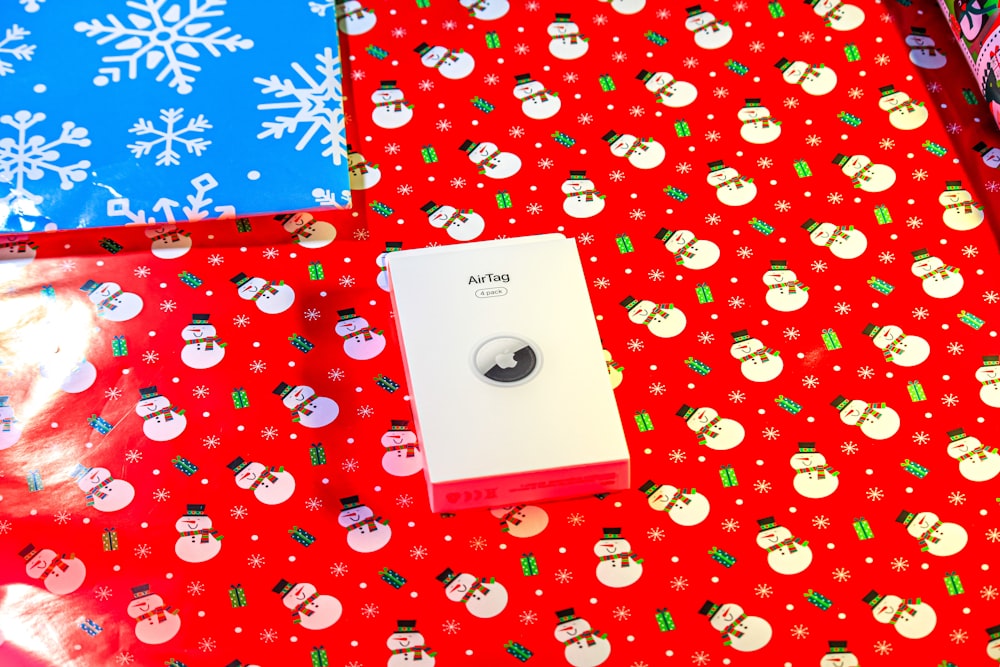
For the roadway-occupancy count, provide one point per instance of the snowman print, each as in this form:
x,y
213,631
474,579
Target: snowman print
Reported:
x,y
202,347
362,174
161,420
616,372
742,632
904,113
989,380
786,554
961,211
537,101
565,40
270,297
912,619
61,575
103,492
112,303
352,17
408,647
483,598
641,153
897,347
837,15
813,477
936,537
923,52
785,292
486,10
584,646
816,80
307,408
392,110
310,610
844,241
618,566
10,427
361,341
758,126
838,655
581,200
708,32
731,188
366,533
990,155
464,225
167,241
936,279
155,623
492,162
685,507
382,280
627,7
402,456
662,320
865,174
993,646
878,422
16,251
521,520
688,250
976,461
270,485
757,363
669,91
198,541
451,64
715,432
307,231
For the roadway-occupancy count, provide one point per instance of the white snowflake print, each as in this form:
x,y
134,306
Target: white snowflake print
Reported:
x,y
477,543
886,144
621,613
762,486
814,140
451,627
958,636
655,275
527,617
418,552
269,253
142,551
991,297
882,59
810,382
883,647
338,569
585,239
602,283
956,498
564,576
15,33
168,305
706,337
241,321
921,438
729,525
866,372
835,198
914,222
771,433
312,314
799,631
30,156
841,574
141,272
765,162
168,138
269,433
102,593
637,214
899,564
313,504
700,658
679,583
173,38
745,252
955,348
112,393
842,308
737,396
993,535
635,345
425,85
575,519
855,93
657,388
335,374
369,610
763,590
819,266
886,257
315,105
161,495
201,391
683,167
950,400
62,517
874,494
988,592
790,102
791,333
349,465
849,448
443,125
366,411
133,456
782,205
238,512
655,534
820,522
735,302
404,500
677,455
545,163
920,313
195,588
258,366
268,635
534,208
256,561
124,658
206,644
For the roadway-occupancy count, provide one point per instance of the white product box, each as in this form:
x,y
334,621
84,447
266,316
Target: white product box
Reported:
x,y
509,387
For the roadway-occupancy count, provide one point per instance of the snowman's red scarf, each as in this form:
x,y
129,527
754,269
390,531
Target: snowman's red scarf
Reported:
x,y
981,452
477,587
205,533
766,120
266,476
268,287
731,631
586,636
943,271
174,236
488,162
820,471
679,496
362,167
928,536
573,37
908,607
987,383
862,176
166,413
968,206
417,651
106,302
57,562
449,55
6,424
706,430
908,105
96,491
623,557
544,94
839,233
764,355
893,347
301,609
457,216
712,26
303,232
685,251
588,195
299,410
737,180
832,14
410,448
367,332
871,413
21,245
371,523
792,285
359,12
160,613
397,105
809,71
792,543
665,88
658,310
209,342
510,518
638,144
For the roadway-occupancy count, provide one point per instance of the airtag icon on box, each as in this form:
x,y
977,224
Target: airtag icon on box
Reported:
x,y
506,361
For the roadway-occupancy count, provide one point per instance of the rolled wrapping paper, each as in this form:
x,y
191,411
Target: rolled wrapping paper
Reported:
x,y
976,27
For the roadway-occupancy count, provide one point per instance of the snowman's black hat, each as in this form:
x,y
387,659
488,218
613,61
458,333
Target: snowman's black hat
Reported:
x,y
28,552
685,411
956,434
235,663
840,402
577,174
195,510
887,90
629,301
839,159
872,598
809,225
237,464
350,502
708,609
90,286
392,246
649,486
467,145
693,9
953,185
920,254
406,626
447,576
387,84
991,360
522,78
767,523
918,31
740,336
751,101
905,517
140,591
400,424
612,533
981,148
148,392
200,318
283,389
664,234
871,330
346,314
562,18
611,136
239,279
782,64
282,587
779,264
807,447
430,207
422,48
716,165
994,632
566,615
837,645
644,75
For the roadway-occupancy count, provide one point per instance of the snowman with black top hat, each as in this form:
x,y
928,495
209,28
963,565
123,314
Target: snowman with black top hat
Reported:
x,y
938,280
537,101
742,632
310,610
584,646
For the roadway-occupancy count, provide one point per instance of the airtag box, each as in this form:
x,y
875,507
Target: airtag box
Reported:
x,y
509,387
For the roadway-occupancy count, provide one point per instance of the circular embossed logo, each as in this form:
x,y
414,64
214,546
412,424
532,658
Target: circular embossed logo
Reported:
x,y
506,360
